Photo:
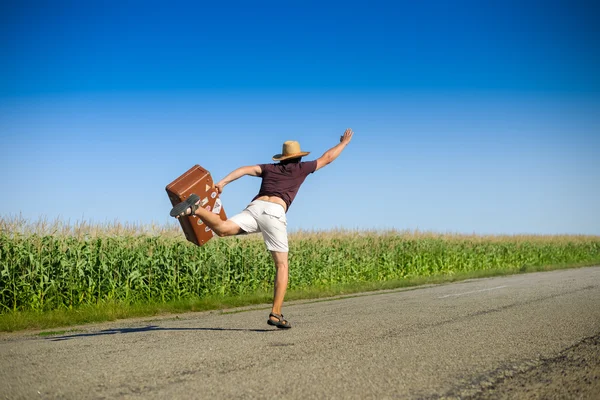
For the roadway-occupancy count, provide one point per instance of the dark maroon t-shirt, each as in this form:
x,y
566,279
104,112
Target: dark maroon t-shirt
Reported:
x,y
284,180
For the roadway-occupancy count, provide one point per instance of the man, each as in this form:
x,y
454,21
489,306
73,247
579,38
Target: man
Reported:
x,y
266,212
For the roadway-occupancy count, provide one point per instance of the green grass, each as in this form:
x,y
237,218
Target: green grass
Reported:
x,y
111,311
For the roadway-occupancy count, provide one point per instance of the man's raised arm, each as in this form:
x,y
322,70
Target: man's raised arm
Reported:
x,y
335,151
252,170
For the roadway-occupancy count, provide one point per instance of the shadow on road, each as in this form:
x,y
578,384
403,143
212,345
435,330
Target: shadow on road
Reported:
x,y
150,328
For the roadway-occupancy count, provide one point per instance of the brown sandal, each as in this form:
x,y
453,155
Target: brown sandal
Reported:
x,y
281,323
190,202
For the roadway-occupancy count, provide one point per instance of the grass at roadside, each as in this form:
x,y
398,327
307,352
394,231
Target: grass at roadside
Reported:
x,y
54,333
111,311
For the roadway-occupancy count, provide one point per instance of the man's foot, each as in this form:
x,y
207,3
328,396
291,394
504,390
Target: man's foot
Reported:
x,y
186,207
278,321
190,210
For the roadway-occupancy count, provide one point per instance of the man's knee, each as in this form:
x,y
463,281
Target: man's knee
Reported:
x,y
222,232
281,263
227,228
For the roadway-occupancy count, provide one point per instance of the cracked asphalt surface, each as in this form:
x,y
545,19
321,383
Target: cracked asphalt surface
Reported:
x,y
524,336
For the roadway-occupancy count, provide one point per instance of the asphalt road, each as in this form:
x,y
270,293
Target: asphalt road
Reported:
x,y
505,337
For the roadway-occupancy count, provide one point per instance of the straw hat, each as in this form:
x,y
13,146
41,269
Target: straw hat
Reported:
x,y
291,149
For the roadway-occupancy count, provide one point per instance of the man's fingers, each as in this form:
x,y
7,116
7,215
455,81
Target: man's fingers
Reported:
x,y
347,135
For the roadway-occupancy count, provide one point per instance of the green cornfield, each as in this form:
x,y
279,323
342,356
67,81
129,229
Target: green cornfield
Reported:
x,y
46,266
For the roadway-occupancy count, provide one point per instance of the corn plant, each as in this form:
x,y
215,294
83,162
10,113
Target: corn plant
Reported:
x,y
45,266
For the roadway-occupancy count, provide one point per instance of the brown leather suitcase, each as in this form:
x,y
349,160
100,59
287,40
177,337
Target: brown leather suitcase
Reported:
x,y
196,180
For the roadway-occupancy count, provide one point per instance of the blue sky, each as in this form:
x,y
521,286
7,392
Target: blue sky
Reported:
x,y
467,117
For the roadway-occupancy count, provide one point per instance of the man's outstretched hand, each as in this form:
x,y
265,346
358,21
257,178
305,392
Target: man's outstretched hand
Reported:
x,y
347,136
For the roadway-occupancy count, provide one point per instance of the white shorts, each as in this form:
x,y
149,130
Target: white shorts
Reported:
x,y
268,218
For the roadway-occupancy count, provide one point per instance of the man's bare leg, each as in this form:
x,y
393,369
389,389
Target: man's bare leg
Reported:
x,y
281,280
214,222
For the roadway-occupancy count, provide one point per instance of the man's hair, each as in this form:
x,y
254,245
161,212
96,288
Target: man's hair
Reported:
x,y
291,161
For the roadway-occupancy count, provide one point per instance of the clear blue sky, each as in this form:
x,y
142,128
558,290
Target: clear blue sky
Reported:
x,y
469,116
